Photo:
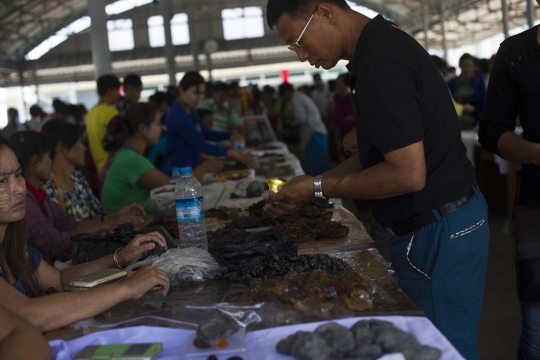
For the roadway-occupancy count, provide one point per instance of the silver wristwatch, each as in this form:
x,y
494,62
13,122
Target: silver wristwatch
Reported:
x,y
317,184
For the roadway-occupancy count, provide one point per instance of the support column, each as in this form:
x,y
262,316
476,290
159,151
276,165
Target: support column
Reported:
x,y
504,8
33,74
101,56
209,67
530,13
425,24
169,48
443,31
22,102
193,40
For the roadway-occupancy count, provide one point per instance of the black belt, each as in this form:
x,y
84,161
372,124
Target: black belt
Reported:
x,y
419,221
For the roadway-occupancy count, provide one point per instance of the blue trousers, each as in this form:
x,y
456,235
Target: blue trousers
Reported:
x,y
442,268
316,158
529,345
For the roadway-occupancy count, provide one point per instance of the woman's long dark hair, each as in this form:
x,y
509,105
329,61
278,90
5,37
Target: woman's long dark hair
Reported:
x,y
14,249
123,127
59,131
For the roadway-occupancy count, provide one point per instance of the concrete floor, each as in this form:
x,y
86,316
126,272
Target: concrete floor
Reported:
x,y
500,321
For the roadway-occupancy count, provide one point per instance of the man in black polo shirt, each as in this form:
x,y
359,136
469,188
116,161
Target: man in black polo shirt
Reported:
x,y
411,164
514,90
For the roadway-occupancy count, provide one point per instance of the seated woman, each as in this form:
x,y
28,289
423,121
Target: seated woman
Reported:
x,y
187,136
50,226
20,340
68,187
24,277
131,175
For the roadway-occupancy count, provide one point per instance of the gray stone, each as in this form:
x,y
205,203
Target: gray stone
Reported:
x,y
362,324
217,327
380,325
394,341
337,336
364,332
422,353
363,336
312,347
369,352
285,346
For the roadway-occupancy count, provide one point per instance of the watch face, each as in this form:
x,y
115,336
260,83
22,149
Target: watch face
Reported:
x,y
322,202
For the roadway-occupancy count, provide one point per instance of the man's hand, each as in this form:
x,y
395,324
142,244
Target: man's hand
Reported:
x,y
469,109
290,197
350,143
275,210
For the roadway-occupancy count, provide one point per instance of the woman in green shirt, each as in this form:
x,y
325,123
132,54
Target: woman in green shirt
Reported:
x,y
131,176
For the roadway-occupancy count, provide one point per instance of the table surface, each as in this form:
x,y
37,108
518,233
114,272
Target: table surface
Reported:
x,y
152,309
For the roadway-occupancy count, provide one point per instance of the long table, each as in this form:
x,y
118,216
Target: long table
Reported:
x,y
154,310
176,313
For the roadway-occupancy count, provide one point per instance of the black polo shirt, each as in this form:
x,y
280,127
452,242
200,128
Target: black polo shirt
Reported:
x,y
400,98
514,88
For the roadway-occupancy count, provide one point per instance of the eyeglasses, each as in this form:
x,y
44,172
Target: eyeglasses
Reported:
x,y
296,45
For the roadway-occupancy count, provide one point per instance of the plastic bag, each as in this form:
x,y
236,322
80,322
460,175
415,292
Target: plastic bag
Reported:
x,y
163,202
238,251
184,265
243,315
223,324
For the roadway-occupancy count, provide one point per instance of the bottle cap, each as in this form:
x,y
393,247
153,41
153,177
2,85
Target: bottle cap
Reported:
x,y
186,171
176,170
239,146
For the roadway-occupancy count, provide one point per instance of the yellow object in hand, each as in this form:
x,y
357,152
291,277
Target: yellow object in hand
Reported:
x,y
275,184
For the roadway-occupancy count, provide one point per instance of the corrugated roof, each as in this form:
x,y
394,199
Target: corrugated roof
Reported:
x,y
26,23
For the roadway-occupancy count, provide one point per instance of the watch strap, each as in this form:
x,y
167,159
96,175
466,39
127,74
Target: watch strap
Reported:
x,y
317,185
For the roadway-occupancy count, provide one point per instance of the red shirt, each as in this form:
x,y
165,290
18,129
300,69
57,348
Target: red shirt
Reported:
x,y
38,193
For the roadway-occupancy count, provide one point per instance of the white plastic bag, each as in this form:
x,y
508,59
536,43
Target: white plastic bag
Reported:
x,y
184,265
162,202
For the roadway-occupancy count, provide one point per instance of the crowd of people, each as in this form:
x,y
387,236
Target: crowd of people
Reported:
x,y
397,144
88,172
75,171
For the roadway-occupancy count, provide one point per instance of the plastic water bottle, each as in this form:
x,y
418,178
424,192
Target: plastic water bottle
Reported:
x,y
190,210
175,176
239,145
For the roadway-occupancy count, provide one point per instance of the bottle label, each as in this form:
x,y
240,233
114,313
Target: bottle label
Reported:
x,y
188,210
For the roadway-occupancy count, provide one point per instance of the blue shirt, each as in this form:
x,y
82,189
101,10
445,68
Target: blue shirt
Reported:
x,y
157,149
479,87
35,261
185,142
